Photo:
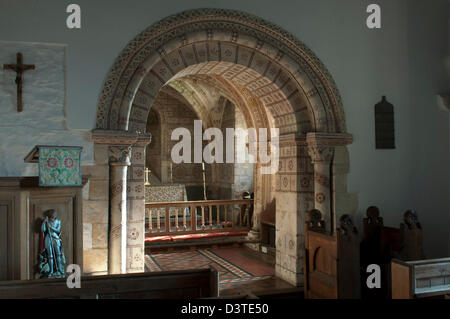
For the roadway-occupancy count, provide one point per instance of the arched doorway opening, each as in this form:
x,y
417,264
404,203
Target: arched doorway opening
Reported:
x,y
276,82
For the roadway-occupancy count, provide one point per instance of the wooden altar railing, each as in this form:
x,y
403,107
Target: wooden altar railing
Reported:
x,y
210,216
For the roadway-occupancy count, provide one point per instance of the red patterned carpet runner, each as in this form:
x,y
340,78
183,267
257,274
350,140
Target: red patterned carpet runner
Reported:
x,y
233,266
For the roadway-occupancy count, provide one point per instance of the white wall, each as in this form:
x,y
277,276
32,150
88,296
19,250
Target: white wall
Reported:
x,y
365,64
42,121
428,48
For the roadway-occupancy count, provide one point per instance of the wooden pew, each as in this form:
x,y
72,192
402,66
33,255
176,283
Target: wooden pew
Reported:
x,y
331,262
420,279
199,283
268,223
380,244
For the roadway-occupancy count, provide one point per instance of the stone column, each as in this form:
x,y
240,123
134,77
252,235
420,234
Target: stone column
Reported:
x,y
321,148
136,207
126,209
119,162
294,188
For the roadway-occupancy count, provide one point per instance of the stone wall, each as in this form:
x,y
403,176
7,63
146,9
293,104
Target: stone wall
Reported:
x,y
232,179
153,150
172,114
95,214
294,197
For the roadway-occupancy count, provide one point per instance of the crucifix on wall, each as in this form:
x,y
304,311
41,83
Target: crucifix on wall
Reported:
x,y
19,68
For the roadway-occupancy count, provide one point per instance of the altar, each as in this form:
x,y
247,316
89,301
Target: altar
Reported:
x,y
165,193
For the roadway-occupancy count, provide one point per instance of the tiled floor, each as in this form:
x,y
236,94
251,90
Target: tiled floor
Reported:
x,y
240,269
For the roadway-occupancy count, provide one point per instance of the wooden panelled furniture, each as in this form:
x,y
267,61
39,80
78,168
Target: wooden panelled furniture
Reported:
x,y
421,278
335,264
22,207
331,262
380,244
185,284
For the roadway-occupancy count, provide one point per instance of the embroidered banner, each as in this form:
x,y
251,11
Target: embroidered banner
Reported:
x,y
59,166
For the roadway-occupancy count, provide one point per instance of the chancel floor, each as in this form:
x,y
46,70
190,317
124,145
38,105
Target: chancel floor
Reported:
x,y
241,270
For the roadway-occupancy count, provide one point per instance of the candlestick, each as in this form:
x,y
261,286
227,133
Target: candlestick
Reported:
x,y
147,183
171,173
204,181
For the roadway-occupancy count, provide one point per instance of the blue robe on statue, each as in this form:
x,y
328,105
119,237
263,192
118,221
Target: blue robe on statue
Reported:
x,y
53,259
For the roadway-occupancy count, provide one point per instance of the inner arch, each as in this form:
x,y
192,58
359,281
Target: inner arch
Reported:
x,y
280,95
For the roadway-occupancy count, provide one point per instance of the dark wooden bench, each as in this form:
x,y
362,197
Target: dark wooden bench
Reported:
x,y
380,244
331,261
201,283
335,265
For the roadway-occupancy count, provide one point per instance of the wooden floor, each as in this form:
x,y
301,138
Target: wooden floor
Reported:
x,y
241,271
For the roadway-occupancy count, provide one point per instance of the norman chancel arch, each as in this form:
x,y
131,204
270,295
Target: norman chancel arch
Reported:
x,y
273,78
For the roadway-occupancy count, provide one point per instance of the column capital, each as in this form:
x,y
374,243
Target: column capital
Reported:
x,y
321,145
119,155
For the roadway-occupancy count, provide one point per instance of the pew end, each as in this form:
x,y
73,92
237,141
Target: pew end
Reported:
x,y
331,261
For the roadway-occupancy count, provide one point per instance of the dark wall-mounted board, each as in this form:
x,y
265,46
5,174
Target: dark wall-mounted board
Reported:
x,y
384,125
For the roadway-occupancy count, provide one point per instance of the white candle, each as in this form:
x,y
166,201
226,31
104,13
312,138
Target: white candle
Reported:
x,y
203,166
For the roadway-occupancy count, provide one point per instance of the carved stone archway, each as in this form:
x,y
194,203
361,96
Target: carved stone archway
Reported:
x,y
272,67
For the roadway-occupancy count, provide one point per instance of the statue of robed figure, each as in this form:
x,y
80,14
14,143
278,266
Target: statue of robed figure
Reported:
x,y
52,258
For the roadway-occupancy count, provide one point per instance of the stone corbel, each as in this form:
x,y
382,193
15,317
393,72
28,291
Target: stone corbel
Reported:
x,y
443,101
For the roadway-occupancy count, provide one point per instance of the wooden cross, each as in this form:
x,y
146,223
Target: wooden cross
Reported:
x,y
19,68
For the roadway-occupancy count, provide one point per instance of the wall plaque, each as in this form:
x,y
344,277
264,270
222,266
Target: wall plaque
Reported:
x,y
384,125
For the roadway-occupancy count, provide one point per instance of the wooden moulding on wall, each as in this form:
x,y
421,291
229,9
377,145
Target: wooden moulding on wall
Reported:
x,y
23,203
384,125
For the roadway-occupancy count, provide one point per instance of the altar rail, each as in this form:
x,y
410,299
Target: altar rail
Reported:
x,y
177,218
